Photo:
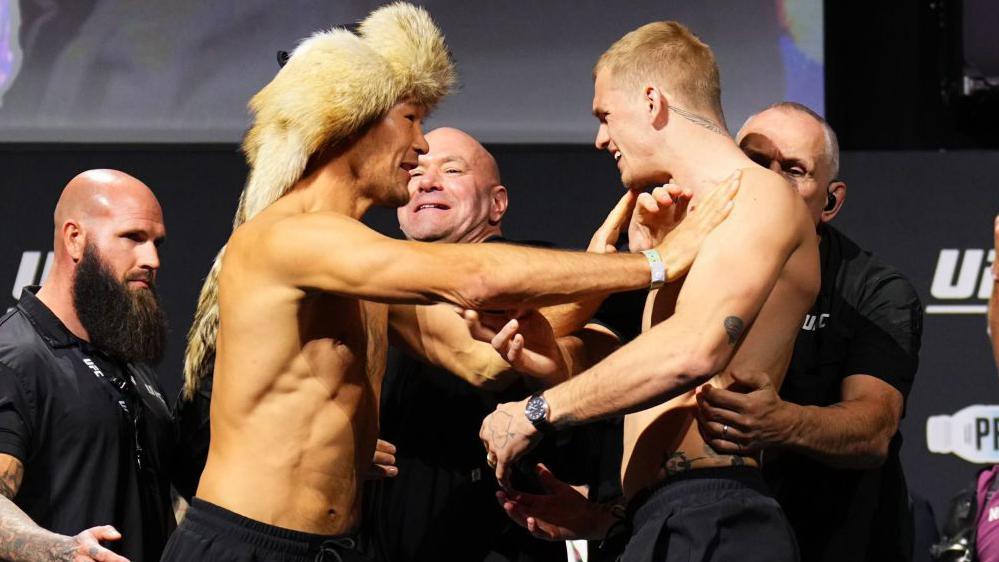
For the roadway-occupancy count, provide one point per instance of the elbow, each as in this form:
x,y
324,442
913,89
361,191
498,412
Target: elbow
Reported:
x,y
476,290
702,362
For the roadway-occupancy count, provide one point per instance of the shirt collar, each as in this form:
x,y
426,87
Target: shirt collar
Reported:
x,y
46,323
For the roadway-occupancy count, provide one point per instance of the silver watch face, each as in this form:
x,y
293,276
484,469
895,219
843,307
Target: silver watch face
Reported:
x,y
537,409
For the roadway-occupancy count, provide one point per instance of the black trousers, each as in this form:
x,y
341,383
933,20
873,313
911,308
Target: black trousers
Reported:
x,y
711,514
212,533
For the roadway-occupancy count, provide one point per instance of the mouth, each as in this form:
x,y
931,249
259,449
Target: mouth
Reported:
x,y
139,283
426,206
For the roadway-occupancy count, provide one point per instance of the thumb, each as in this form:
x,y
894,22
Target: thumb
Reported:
x,y
106,533
753,380
548,480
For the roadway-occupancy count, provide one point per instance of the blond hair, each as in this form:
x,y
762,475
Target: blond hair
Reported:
x,y
335,84
668,55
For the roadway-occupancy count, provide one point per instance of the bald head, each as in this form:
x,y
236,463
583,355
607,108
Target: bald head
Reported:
x,y
117,216
458,141
455,192
97,194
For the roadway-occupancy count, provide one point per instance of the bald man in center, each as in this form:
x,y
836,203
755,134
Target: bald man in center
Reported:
x,y
428,413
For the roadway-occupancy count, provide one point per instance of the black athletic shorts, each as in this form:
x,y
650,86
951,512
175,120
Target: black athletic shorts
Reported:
x,y
211,533
717,514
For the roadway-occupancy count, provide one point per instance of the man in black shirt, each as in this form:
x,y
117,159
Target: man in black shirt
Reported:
x,y
831,435
442,504
84,431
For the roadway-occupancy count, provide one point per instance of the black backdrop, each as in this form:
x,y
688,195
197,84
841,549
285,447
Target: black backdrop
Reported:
x,y
906,206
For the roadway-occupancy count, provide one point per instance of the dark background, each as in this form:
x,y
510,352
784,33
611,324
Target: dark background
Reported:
x,y
921,162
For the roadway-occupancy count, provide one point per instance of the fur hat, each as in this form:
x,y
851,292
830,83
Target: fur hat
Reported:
x,y
333,85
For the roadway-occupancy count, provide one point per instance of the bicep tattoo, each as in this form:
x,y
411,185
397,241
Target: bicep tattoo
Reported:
x,y
734,326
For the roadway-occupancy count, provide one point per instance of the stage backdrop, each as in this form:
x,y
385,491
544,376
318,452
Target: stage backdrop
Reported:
x,y
182,71
929,213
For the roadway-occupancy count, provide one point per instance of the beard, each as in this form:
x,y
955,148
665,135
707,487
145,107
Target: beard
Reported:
x,y
127,324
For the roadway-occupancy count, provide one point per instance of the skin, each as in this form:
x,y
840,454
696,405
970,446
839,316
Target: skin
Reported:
x,y
856,431
455,192
121,217
295,400
702,330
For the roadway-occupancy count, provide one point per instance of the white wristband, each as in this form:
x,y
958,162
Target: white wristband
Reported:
x,y
658,269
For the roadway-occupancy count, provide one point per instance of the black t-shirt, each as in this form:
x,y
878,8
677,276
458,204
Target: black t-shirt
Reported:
x,y
60,416
442,505
867,320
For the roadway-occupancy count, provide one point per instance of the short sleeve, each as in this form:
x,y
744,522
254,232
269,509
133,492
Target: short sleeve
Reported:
x,y
15,438
887,338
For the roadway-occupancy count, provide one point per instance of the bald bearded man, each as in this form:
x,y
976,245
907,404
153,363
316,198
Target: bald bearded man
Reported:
x,y
84,429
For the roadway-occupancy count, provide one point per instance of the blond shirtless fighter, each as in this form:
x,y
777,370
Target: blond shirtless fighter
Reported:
x,y
657,97
295,314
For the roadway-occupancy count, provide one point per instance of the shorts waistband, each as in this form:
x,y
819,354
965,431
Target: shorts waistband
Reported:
x,y
296,543
698,480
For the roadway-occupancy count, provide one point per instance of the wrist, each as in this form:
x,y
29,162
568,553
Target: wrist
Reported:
x,y
657,268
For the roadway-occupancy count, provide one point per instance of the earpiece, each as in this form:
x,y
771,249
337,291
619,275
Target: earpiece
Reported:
x,y
830,202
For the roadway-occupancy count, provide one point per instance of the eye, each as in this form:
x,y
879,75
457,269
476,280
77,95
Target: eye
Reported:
x,y
452,171
795,171
415,173
136,237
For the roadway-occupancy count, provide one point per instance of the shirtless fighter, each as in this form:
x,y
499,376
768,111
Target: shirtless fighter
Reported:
x,y
657,97
294,314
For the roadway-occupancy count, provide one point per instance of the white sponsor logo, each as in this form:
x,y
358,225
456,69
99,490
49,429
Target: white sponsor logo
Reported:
x,y
813,323
962,281
993,514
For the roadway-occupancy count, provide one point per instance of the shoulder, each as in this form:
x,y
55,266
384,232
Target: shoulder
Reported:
x,y
21,348
768,202
868,279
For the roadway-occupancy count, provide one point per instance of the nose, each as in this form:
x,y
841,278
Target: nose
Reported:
x,y
149,257
429,181
421,146
603,139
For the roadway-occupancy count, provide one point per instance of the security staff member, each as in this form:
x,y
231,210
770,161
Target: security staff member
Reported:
x,y
84,429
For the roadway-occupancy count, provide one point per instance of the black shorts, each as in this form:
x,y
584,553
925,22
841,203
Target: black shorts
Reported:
x,y
717,514
209,532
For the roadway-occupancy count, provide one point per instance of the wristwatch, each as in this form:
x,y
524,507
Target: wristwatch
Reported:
x,y
537,413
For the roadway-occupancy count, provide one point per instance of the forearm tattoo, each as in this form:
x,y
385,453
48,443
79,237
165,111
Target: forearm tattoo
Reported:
x,y
10,479
20,538
734,326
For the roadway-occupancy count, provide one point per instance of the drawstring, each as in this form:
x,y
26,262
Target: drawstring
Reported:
x,y
332,548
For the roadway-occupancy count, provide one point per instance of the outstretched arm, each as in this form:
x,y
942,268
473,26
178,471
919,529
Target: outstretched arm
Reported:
x,y
21,540
737,268
332,253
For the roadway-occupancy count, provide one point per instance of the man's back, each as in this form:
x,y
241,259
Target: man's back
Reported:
x,y
294,413
664,440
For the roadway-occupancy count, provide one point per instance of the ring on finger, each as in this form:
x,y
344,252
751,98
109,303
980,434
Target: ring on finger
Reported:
x,y
725,430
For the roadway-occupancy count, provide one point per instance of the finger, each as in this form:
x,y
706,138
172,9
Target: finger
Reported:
x,y
720,398
606,235
501,340
380,471
385,447
548,480
516,348
476,328
105,533
502,474
726,447
666,195
647,205
386,459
